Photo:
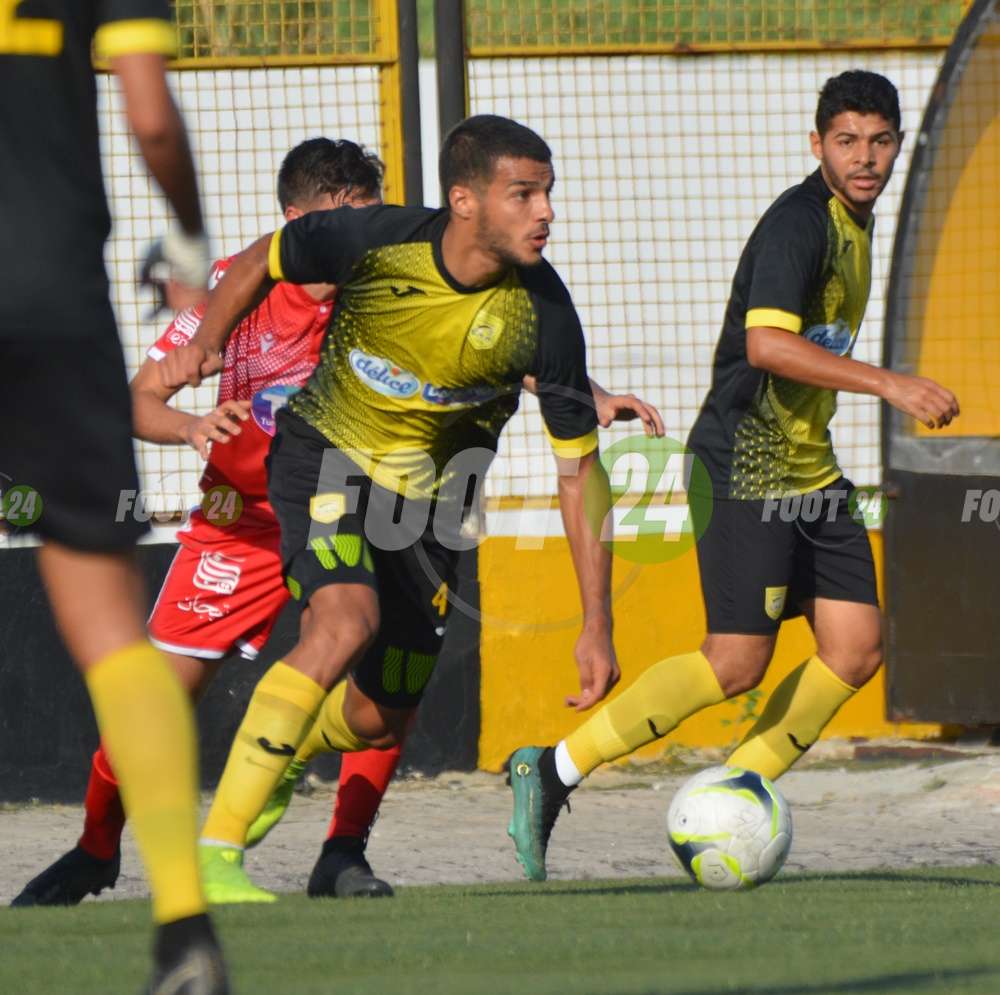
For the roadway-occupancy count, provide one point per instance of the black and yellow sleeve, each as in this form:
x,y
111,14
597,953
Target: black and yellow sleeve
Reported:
x,y
133,27
564,393
325,246
788,250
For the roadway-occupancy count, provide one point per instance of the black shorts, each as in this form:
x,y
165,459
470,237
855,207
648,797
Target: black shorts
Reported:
x,y
760,560
67,467
338,527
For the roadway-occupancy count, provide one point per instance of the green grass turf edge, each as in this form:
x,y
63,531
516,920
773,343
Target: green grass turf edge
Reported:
x,y
929,930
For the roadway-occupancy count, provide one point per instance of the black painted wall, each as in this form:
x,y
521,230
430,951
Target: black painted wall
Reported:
x,y
941,601
47,729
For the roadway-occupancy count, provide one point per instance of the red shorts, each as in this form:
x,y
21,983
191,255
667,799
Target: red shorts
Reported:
x,y
223,591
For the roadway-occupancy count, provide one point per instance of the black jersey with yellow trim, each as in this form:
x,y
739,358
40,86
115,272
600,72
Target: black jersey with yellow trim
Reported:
x,y
418,372
52,201
806,269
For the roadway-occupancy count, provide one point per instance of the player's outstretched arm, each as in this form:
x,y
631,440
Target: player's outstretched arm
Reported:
x,y
154,420
616,407
790,356
162,138
585,502
246,284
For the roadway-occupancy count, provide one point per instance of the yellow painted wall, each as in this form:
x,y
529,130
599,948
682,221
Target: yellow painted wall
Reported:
x,y
955,281
530,622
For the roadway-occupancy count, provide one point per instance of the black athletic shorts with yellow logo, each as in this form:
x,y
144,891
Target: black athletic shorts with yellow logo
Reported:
x,y
761,560
338,527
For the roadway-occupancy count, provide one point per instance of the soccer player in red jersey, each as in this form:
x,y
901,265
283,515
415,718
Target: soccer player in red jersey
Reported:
x,y
224,589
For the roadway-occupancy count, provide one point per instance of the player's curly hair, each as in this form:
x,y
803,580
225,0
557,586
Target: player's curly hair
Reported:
x,y
857,90
470,150
328,165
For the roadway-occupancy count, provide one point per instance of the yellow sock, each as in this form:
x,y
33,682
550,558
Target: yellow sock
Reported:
x,y
282,708
145,720
663,696
794,716
330,732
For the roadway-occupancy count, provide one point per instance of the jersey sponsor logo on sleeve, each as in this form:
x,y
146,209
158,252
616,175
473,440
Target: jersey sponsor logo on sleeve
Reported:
x,y
383,376
217,572
268,402
835,337
183,327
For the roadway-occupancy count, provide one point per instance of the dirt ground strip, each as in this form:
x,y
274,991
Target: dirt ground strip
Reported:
x,y
849,815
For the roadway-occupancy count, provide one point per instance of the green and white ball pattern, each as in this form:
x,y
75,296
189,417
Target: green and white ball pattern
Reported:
x,y
729,828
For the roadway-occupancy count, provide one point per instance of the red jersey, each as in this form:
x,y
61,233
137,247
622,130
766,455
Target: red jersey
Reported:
x,y
269,356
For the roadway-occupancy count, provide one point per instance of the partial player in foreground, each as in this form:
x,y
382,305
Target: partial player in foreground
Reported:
x,y
785,536
224,589
65,405
375,462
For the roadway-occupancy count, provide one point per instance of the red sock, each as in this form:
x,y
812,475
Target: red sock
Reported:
x,y
105,818
364,778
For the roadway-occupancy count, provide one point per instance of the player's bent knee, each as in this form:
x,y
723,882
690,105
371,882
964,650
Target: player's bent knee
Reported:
x,y
386,741
346,640
739,682
863,667
739,663
381,727
335,632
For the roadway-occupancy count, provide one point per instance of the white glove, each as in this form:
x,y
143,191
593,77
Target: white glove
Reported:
x,y
188,256
186,259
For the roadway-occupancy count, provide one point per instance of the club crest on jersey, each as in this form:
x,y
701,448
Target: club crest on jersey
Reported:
x,y
383,376
268,402
485,331
774,601
327,508
217,573
836,337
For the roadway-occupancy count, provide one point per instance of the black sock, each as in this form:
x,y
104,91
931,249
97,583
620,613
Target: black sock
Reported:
x,y
173,938
551,785
344,844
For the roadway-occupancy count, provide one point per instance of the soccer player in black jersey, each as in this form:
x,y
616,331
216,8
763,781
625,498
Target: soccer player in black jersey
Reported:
x,y
784,537
440,315
65,407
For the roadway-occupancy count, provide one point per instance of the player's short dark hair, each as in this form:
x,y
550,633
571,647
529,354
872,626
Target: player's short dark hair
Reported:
x,y
328,165
857,90
471,149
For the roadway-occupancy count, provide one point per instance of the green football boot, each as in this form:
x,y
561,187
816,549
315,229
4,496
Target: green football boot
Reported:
x,y
277,804
224,880
536,808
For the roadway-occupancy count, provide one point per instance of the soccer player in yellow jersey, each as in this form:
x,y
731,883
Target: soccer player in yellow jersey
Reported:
x,y
64,408
784,537
440,315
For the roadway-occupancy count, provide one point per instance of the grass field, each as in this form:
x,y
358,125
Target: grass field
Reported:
x,y
920,931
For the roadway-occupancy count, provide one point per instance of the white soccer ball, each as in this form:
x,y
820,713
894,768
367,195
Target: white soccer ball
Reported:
x,y
729,828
